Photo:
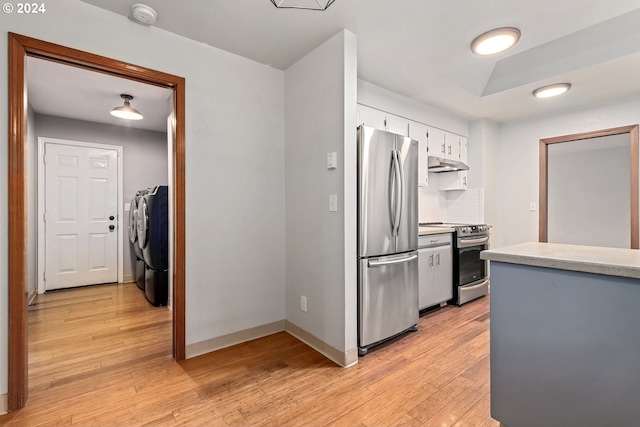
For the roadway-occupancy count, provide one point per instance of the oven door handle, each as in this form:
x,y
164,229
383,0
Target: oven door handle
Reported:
x,y
467,243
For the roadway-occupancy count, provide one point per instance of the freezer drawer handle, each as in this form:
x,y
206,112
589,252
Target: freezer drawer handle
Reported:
x,y
392,261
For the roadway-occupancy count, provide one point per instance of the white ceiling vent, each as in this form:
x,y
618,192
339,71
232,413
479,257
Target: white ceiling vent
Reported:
x,y
143,14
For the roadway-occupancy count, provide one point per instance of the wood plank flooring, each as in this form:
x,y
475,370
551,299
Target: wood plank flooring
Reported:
x,y
101,356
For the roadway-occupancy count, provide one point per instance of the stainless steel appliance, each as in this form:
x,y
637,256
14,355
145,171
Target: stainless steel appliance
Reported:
x,y
387,236
472,279
470,273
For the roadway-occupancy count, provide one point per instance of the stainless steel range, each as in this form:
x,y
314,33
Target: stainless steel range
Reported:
x,y
470,273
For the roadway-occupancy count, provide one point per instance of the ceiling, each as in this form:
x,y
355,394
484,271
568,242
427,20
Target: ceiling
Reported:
x,y
61,90
420,48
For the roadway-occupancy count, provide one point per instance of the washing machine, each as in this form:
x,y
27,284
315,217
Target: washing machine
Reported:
x,y
133,238
153,239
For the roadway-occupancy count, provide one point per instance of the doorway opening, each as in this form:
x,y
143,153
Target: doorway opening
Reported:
x,y
20,47
589,188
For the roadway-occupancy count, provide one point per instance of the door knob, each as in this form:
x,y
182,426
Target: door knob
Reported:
x,y
112,217
112,227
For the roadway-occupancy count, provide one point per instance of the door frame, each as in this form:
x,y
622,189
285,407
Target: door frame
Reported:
x,y
41,192
19,47
634,162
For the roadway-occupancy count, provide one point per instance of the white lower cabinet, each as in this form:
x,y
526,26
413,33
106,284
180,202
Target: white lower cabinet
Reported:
x,y
435,269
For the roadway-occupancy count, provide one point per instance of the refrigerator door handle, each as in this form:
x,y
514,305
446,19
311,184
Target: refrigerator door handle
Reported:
x,y
394,176
400,191
397,192
391,261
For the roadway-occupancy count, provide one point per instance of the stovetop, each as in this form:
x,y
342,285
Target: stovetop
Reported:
x,y
461,229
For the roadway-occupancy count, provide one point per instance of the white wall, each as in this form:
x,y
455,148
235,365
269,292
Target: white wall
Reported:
x,y
235,237
517,161
482,152
321,245
144,159
588,193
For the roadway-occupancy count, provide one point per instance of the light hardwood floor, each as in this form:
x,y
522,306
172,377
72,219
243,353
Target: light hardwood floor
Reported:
x,y
101,356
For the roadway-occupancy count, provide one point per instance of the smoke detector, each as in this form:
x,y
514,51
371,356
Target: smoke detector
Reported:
x,y
143,14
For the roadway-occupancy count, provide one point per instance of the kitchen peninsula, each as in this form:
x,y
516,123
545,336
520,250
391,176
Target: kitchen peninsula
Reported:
x,y
565,335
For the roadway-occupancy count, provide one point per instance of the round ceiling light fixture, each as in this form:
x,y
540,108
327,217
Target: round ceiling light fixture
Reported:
x,y
495,41
126,111
143,14
551,90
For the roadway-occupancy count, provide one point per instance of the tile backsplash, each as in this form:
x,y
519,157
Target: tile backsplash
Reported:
x,y
450,206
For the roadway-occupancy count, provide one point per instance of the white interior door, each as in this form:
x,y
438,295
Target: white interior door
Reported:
x,y
81,216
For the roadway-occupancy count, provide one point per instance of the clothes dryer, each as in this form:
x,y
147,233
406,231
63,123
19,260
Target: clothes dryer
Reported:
x,y
133,238
153,239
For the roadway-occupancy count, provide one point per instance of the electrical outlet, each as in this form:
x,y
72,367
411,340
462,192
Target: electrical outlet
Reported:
x,y
303,303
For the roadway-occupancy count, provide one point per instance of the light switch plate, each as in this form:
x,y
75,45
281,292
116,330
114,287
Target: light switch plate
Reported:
x,y
333,203
532,206
127,207
332,160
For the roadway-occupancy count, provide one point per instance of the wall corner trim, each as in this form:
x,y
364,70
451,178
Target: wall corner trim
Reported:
x,y
344,359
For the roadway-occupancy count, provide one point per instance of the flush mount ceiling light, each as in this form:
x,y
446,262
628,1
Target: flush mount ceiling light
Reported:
x,y
551,90
143,14
495,41
125,111
303,4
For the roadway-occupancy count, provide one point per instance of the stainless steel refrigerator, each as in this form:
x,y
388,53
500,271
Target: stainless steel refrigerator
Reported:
x,y
387,236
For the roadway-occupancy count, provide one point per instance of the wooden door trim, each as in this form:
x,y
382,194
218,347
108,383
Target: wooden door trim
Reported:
x,y
20,47
634,154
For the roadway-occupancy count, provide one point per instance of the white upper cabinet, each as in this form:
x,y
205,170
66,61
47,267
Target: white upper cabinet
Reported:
x,y
382,120
371,117
453,181
463,150
397,125
420,133
431,142
453,146
437,144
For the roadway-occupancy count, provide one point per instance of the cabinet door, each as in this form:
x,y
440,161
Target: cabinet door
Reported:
x,y
463,150
371,117
448,181
453,146
425,278
442,275
397,125
437,145
420,133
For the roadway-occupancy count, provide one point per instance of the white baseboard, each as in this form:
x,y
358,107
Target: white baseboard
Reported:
x,y
344,359
213,344
32,296
128,278
4,403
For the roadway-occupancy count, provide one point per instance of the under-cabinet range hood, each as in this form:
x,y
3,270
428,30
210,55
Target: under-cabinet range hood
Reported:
x,y
441,164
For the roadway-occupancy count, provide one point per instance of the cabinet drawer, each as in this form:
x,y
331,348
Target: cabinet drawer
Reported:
x,y
434,240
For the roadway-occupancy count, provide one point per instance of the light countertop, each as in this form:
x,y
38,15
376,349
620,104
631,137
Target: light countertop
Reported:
x,y
427,230
588,259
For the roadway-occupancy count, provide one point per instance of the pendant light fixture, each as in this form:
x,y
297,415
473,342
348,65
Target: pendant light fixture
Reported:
x,y
126,111
303,4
